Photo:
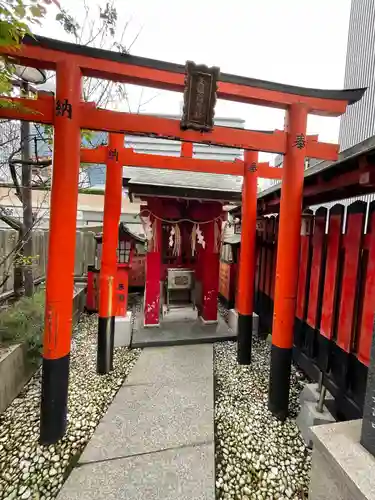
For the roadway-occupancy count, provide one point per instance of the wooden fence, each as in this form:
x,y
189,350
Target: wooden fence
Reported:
x,y
85,253
336,296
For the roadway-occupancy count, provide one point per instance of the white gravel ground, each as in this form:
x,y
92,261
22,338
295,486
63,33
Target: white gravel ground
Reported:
x,y
31,471
257,457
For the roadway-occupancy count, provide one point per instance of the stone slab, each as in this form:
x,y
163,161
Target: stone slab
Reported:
x,y
368,426
181,333
167,401
15,371
179,314
79,301
123,330
233,321
179,474
168,365
309,416
310,392
342,469
156,440
148,418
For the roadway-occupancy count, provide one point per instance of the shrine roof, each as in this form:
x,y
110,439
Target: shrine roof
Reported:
x,y
351,95
328,181
124,229
153,182
177,178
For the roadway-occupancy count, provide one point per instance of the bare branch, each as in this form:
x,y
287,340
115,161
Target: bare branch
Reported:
x,y
8,219
31,163
14,176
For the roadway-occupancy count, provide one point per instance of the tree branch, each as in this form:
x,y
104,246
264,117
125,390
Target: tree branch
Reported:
x,y
32,163
8,219
13,174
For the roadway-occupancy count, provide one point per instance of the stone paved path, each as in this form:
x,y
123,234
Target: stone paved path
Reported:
x,y
156,440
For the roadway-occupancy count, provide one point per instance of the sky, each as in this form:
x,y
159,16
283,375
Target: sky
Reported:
x,y
299,42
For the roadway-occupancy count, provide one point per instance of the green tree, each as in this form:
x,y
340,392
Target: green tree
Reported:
x,y
17,17
98,27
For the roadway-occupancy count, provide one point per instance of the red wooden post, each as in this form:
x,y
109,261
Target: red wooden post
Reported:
x,y
246,277
287,260
334,239
108,268
316,272
187,149
274,257
349,286
61,254
366,319
270,222
153,276
316,266
122,287
262,265
210,274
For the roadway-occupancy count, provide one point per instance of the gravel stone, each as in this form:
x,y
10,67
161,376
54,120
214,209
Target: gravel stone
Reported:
x,y
269,458
31,471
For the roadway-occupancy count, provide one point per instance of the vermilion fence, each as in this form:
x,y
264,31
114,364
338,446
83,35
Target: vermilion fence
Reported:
x,y
336,297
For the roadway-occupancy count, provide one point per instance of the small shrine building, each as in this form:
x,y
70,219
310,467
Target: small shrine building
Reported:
x,y
182,214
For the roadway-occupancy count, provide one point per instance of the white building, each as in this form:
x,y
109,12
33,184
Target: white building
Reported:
x,y
151,145
90,206
358,123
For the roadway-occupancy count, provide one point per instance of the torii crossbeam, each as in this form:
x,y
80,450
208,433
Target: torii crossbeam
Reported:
x,y
69,115
42,110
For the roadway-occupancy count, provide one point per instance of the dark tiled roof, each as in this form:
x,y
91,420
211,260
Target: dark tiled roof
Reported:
x,y
191,180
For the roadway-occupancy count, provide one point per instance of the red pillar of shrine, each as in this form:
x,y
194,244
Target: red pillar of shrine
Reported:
x,y
288,248
61,253
187,149
210,274
153,274
246,276
108,267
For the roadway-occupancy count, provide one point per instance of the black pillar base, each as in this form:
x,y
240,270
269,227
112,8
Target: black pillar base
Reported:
x,y
278,396
53,411
112,340
244,338
104,360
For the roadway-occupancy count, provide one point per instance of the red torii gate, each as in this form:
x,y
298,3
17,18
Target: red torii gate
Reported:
x,y
114,155
68,115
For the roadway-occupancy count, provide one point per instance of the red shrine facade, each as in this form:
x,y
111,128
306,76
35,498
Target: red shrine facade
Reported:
x,y
183,229
129,271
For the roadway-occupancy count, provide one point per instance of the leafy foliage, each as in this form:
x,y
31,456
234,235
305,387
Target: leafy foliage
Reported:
x,y
25,260
24,322
68,22
16,19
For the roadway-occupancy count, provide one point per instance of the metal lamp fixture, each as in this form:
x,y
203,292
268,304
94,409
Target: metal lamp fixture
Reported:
x,y
30,75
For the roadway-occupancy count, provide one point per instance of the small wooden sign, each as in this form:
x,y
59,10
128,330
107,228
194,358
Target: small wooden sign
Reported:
x,y
224,280
199,97
261,225
181,281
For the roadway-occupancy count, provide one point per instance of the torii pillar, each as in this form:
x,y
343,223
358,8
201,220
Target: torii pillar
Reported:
x,y
287,263
61,253
245,292
108,267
